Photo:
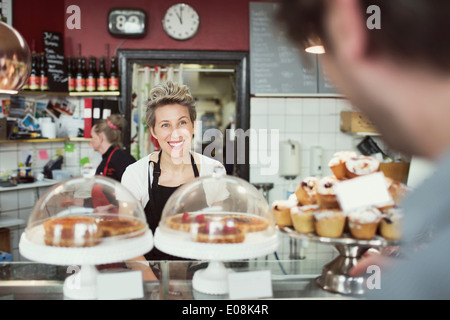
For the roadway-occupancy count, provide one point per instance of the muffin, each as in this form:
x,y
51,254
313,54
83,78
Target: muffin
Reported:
x,y
363,223
391,224
306,191
303,218
326,197
329,222
337,163
282,212
397,190
361,165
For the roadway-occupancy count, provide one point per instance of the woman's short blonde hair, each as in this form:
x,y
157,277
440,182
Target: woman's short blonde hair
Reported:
x,y
169,93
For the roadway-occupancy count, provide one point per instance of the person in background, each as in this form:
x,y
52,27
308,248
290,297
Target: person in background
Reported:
x,y
107,140
393,71
171,116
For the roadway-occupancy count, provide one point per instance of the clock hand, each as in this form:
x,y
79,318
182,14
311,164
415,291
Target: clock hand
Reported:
x,y
181,14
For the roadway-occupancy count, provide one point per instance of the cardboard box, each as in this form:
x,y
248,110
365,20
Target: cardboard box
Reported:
x,y
5,240
396,170
356,122
3,129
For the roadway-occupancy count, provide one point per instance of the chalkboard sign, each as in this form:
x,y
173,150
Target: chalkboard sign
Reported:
x,y
276,65
54,53
325,85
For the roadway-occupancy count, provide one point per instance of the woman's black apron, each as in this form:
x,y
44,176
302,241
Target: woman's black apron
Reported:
x,y
158,196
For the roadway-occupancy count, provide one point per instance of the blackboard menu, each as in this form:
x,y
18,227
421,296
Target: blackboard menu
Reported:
x,y
325,84
54,53
276,65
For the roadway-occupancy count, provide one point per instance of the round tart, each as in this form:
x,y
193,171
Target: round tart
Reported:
x,y
72,232
184,221
224,231
248,223
119,226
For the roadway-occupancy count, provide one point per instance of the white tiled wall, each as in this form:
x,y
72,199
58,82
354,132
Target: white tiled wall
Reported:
x,y
312,122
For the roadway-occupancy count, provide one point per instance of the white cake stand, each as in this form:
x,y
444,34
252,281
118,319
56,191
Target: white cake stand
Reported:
x,y
214,279
83,283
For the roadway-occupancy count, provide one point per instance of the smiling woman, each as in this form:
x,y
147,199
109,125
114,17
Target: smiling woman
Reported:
x,y
171,116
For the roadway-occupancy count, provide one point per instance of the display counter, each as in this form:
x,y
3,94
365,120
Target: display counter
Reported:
x,y
290,279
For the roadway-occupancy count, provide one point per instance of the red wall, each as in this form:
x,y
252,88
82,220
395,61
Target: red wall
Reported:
x,y
30,18
224,25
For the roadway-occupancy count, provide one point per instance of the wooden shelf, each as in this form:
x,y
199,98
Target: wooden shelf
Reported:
x,y
46,140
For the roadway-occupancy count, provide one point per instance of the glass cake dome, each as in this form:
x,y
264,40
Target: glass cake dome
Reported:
x,y
217,210
80,219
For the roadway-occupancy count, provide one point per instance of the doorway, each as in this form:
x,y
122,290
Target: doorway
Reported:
x,y
219,81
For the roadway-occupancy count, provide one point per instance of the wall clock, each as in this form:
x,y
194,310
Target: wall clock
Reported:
x,y
127,23
181,21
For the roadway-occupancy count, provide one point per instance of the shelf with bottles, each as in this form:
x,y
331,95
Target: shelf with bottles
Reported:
x,y
70,94
83,79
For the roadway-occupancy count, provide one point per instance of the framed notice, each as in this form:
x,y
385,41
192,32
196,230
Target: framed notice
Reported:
x,y
6,11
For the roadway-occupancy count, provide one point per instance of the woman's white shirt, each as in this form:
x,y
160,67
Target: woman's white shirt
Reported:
x,y
136,176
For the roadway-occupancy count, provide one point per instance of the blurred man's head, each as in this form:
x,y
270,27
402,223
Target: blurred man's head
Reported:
x,y
396,74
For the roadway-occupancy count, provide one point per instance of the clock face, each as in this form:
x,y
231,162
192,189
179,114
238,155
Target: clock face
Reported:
x,y
127,23
181,21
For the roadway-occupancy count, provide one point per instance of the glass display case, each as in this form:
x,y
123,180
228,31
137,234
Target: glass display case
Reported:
x,y
86,220
216,218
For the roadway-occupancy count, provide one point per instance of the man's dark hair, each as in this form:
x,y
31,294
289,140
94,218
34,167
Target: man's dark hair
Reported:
x,y
413,30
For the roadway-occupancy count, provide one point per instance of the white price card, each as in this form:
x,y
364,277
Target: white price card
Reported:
x,y
120,285
363,192
249,285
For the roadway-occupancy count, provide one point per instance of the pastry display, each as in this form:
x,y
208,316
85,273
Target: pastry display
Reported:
x,y
72,232
363,223
223,231
117,226
337,163
282,212
361,165
391,224
326,197
307,190
303,218
329,222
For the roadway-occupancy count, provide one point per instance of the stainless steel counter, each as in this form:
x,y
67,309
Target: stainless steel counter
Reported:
x,y
291,279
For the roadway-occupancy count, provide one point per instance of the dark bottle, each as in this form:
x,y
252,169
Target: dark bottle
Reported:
x,y
91,75
113,82
80,79
102,78
43,73
70,74
33,80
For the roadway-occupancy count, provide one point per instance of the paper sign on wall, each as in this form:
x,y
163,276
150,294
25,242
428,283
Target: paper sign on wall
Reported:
x,y
362,192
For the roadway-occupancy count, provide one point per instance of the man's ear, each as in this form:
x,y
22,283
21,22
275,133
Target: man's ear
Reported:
x,y
346,25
